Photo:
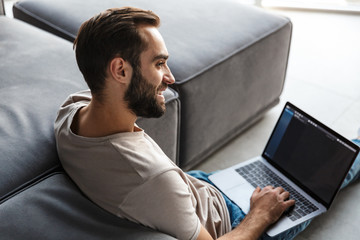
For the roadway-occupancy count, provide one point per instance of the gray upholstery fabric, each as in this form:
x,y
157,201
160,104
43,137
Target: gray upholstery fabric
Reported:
x,y
54,208
38,71
225,99
229,60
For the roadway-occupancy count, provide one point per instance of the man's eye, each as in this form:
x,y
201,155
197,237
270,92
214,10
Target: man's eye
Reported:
x,y
160,64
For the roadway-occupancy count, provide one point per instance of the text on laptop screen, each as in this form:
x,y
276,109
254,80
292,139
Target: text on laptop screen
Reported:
x,y
313,155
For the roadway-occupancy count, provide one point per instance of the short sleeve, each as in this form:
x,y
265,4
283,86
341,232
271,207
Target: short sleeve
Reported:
x,y
164,203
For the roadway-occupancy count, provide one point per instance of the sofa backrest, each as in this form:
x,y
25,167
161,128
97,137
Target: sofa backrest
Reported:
x,y
38,71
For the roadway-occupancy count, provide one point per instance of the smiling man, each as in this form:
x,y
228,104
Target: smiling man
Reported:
x,y
123,59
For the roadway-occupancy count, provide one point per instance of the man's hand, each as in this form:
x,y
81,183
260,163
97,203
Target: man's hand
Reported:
x,y
269,203
266,207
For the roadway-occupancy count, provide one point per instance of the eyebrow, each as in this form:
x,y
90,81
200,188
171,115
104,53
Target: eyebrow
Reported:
x,y
160,56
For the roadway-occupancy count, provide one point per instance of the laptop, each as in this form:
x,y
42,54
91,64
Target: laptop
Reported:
x,y
303,156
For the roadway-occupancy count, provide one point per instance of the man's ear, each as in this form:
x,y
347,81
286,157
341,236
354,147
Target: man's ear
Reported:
x,y
120,70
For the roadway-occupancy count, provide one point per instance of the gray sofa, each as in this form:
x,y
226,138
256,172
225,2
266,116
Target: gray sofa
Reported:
x,y
229,62
222,56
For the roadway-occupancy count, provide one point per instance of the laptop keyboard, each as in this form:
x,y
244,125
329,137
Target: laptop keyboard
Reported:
x,y
257,174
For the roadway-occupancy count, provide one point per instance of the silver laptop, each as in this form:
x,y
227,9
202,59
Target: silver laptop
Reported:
x,y
304,157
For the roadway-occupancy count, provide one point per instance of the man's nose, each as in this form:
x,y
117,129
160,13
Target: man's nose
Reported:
x,y
169,78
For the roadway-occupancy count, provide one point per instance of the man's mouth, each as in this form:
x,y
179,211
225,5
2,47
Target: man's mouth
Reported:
x,y
161,90
160,95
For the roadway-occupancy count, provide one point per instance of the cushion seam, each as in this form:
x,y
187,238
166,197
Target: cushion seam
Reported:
x,y
31,182
30,14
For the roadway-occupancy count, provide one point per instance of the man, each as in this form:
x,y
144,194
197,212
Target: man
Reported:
x,y
123,59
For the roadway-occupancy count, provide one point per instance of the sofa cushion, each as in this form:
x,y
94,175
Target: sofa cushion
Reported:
x,y
53,208
38,72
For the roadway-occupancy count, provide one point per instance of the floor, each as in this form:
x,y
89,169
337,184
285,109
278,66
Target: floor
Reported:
x,y
337,5
323,78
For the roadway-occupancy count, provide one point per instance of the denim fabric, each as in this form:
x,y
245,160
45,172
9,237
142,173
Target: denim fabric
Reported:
x,y
237,215
235,212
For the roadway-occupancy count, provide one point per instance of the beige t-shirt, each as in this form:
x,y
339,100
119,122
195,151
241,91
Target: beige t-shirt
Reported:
x,y
128,175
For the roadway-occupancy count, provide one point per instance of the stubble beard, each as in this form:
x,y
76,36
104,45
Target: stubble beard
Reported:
x,y
141,97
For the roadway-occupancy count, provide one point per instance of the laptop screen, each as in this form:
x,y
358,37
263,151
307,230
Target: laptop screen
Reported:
x,y
310,154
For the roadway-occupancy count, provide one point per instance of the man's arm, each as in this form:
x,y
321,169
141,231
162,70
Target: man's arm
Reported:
x,y
266,207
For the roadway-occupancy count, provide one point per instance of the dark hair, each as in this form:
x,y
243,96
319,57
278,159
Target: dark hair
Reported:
x,y
111,33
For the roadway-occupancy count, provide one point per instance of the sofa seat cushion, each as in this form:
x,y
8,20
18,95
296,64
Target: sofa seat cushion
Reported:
x,y
53,208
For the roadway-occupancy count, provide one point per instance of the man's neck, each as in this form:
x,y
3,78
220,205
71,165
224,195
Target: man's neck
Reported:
x,y
103,119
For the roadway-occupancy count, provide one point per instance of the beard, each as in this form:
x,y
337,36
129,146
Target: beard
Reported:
x,y
141,97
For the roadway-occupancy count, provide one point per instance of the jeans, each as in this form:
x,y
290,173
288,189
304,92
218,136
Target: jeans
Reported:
x,y
237,215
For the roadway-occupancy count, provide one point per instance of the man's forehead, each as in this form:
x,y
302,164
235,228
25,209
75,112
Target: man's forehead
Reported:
x,y
156,48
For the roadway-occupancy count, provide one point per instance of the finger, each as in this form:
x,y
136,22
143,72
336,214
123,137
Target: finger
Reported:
x,y
269,187
289,203
284,195
256,191
279,190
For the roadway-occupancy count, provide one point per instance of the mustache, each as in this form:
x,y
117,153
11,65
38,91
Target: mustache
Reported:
x,y
163,86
